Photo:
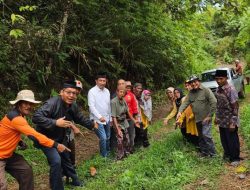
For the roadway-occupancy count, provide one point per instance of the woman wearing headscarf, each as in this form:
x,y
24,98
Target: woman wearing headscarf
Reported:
x,y
187,119
176,96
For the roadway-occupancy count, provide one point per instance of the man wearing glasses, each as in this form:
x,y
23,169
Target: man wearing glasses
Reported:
x,y
54,119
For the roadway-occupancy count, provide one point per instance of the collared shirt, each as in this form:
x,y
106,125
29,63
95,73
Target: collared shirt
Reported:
x,y
203,103
99,104
227,106
120,110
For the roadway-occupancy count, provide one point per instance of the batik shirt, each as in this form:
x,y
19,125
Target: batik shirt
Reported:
x,y
227,106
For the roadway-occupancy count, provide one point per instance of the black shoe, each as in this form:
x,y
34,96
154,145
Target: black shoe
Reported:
x,y
77,183
146,144
67,180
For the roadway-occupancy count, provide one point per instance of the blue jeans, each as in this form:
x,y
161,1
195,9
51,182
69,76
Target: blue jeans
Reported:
x,y
103,133
58,162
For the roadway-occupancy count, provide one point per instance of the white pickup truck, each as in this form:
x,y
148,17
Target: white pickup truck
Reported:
x,y
208,80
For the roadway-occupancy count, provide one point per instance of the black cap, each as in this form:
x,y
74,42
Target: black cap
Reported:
x,y
70,84
220,73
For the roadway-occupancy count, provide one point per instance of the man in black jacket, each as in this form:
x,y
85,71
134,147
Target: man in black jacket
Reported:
x,y
54,119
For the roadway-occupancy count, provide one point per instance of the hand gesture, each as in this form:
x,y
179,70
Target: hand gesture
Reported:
x,y
62,148
119,132
206,120
75,129
22,145
232,127
96,125
61,122
165,121
178,115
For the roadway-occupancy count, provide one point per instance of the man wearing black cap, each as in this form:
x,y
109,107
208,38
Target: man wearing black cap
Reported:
x,y
203,103
100,111
54,119
227,117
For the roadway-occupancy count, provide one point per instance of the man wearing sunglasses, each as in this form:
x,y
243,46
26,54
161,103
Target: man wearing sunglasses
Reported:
x,y
54,119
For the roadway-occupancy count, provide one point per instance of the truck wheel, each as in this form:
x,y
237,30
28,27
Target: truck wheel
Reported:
x,y
242,94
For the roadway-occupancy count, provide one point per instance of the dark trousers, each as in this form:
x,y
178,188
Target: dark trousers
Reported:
x,y
18,167
141,136
72,147
123,144
206,143
60,164
190,138
230,143
113,139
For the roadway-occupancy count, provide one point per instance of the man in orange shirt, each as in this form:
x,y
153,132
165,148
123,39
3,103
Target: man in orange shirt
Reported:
x,y
11,127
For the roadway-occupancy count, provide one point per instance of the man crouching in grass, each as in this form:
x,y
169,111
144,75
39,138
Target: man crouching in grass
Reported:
x,y
120,112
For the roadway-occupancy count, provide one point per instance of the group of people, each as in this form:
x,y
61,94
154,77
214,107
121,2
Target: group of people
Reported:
x,y
194,113
128,113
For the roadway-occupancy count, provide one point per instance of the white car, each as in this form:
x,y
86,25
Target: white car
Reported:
x,y
208,80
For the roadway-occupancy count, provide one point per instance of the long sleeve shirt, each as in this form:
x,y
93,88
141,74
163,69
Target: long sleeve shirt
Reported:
x,y
54,108
131,102
203,103
227,111
99,104
11,128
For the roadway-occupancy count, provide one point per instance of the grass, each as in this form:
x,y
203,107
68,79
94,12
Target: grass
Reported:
x,y
244,122
167,164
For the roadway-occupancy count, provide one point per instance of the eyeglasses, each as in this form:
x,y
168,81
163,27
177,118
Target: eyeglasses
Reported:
x,y
70,92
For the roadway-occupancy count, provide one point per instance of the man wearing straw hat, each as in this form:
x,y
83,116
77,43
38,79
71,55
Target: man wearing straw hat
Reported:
x,y
54,119
11,127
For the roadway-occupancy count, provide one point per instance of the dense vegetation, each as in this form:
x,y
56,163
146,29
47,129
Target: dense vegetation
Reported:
x,y
155,42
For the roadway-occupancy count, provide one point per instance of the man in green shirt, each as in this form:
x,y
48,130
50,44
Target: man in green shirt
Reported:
x,y
203,104
119,113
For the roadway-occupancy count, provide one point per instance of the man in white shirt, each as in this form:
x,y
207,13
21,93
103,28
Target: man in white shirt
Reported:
x,y
100,111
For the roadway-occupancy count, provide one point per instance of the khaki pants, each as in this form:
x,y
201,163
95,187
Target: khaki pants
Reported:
x,y
3,183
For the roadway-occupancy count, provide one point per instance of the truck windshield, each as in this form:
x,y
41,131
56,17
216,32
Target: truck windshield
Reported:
x,y
206,77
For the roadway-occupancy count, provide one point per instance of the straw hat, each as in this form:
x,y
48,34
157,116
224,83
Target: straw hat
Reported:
x,y
25,95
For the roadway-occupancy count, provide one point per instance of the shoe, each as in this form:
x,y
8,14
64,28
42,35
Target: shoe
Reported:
x,y
203,155
77,183
235,163
67,180
213,155
146,144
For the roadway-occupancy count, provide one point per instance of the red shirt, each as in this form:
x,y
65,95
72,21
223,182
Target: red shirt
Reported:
x,y
132,103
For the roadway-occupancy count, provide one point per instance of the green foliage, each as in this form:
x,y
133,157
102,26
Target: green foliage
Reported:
x,y
16,33
158,43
